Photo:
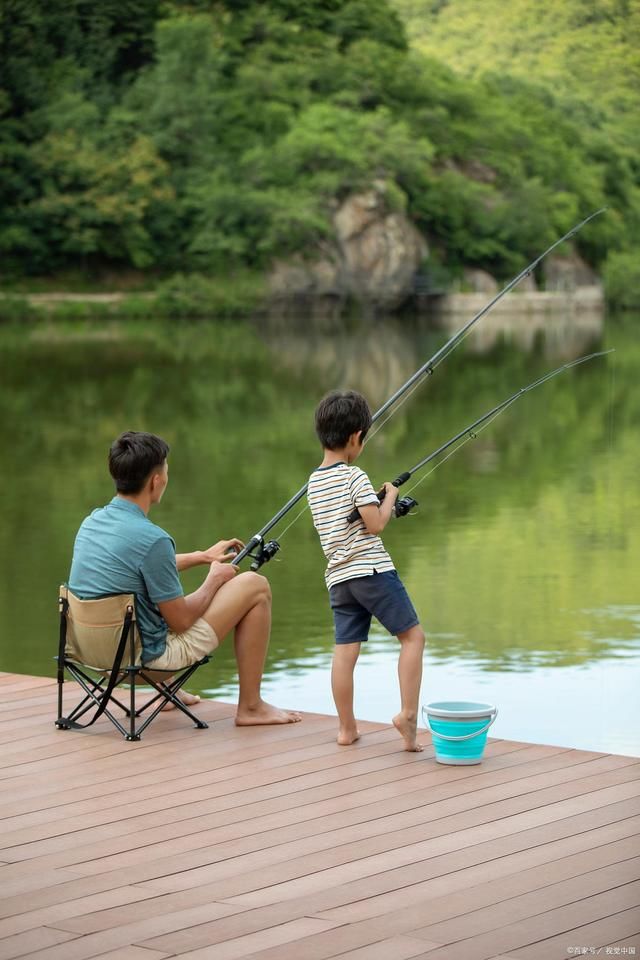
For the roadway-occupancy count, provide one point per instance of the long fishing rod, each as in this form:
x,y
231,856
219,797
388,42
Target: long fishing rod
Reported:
x,y
262,552
404,504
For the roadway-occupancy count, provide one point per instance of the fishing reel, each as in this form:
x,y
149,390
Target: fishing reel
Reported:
x,y
263,553
403,506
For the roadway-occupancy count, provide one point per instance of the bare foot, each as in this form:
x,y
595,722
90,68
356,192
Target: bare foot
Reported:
x,y
189,700
348,735
407,729
263,714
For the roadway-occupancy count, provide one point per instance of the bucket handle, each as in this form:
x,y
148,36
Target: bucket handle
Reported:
x,y
468,736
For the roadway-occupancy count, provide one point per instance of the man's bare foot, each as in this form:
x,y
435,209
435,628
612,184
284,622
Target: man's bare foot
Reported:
x,y
348,735
406,727
189,700
263,714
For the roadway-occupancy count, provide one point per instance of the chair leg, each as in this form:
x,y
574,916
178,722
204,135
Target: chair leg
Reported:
x,y
59,721
166,693
94,692
132,735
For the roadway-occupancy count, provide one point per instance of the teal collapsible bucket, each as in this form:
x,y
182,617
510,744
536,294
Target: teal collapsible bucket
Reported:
x,y
459,729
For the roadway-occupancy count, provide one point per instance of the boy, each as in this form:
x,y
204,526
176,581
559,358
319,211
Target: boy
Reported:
x,y
360,575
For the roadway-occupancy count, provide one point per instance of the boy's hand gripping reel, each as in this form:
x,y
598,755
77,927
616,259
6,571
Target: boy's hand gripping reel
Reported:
x,y
402,505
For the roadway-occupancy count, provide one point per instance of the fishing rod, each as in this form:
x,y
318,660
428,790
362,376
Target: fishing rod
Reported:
x,y
261,552
404,504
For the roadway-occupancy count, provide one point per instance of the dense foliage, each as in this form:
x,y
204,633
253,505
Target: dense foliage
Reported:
x,y
213,136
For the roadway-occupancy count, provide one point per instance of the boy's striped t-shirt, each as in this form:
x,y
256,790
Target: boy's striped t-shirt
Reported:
x,y
332,493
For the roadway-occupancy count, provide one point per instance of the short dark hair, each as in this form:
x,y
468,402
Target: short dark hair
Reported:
x,y
340,414
133,457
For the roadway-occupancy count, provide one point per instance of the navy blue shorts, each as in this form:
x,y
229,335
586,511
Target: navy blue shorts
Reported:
x,y
381,595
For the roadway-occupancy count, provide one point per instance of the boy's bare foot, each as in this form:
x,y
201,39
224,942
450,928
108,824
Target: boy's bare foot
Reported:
x,y
189,700
348,735
264,713
407,728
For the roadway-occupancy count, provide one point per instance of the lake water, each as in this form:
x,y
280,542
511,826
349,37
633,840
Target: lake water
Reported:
x,y
522,558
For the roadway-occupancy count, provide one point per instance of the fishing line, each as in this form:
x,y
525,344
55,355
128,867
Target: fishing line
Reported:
x,y
379,427
295,520
405,504
417,384
261,552
470,436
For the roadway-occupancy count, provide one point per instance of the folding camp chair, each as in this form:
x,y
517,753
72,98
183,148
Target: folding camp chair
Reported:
x,y
100,648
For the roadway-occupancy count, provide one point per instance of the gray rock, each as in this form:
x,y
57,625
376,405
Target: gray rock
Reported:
x,y
566,273
479,281
373,258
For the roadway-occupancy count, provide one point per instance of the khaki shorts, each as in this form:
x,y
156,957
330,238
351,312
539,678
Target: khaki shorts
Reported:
x,y
186,648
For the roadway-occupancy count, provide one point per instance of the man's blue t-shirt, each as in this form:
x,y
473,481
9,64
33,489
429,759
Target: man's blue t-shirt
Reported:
x,y
119,550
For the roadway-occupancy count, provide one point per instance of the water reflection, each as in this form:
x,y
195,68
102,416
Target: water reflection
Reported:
x,y
562,334
522,558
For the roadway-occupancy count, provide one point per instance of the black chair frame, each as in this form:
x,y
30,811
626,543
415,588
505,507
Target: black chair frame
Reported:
x,y
99,688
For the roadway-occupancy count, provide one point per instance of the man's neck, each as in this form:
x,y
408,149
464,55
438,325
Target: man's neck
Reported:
x,y
142,500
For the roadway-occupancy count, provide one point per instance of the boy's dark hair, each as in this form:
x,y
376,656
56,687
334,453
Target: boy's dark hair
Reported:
x,y
133,457
340,414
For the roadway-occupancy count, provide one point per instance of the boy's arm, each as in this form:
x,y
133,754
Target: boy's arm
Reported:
x,y
374,517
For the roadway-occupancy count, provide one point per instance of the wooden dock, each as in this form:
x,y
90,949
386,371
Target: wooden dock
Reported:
x,y
276,844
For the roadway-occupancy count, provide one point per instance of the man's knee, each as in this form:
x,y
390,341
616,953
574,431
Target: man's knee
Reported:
x,y
258,585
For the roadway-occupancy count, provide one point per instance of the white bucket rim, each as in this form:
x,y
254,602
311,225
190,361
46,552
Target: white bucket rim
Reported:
x,y
459,710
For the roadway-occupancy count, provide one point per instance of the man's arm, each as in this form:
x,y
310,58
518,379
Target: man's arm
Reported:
x,y
182,613
219,552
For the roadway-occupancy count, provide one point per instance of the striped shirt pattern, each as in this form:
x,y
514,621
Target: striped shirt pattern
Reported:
x,y
332,493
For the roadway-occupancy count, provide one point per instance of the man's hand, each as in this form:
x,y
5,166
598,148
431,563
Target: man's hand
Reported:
x,y
221,572
183,612
223,551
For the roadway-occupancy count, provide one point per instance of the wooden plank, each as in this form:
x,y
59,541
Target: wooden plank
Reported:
x,y
180,879
32,942
125,898
271,780
110,781
133,953
272,938
447,877
190,836
597,935
232,827
275,844
603,849
610,913
112,755
14,680
248,892
582,846
278,789
92,945
391,948
51,821
339,757
474,923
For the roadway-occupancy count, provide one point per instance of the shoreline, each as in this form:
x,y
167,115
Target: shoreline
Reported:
x,y
443,310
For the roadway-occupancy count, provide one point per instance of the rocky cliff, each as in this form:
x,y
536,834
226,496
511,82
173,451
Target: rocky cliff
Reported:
x,y
372,258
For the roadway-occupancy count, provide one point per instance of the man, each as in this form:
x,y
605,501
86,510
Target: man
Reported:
x,y
119,550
